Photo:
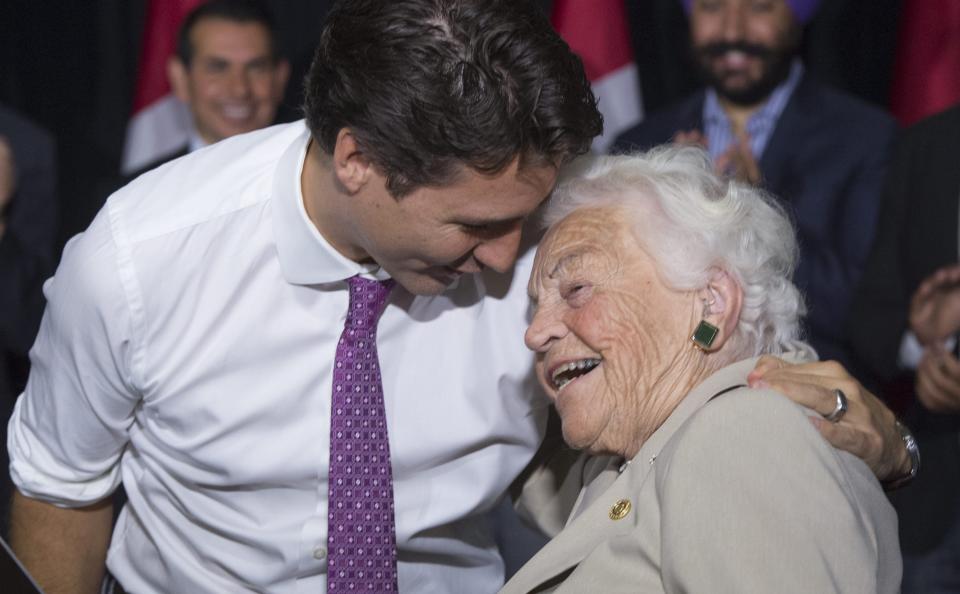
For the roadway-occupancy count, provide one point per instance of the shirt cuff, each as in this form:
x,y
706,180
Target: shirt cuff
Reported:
x,y
911,351
38,474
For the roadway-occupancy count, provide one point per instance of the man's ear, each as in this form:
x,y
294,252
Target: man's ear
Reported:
x,y
351,166
179,78
722,299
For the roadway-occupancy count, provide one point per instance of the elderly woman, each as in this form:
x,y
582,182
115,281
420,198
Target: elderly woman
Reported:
x,y
656,288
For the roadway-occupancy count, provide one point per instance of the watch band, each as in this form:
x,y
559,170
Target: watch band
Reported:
x,y
913,451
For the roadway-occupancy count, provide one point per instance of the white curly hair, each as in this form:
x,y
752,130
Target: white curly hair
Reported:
x,y
691,222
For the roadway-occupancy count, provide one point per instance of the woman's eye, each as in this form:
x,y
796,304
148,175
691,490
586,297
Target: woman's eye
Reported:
x,y
576,293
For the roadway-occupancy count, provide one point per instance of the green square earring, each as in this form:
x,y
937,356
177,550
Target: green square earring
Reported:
x,y
704,335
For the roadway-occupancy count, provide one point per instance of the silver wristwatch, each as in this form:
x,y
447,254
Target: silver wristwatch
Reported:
x,y
913,450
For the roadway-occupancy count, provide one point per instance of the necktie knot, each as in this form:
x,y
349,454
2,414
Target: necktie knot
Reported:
x,y
367,300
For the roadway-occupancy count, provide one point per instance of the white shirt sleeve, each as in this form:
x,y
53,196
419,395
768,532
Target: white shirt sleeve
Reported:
x,y
69,428
911,351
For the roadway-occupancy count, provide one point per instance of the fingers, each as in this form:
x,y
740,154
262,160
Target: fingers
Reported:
x,y
821,369
938,381
694,137
867,430
808,384
740,164
945,276
815,390
935,308
723,163
737,161
867,446
765,364
747,167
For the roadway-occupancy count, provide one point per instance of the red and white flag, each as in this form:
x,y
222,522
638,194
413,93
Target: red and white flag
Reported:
x,y
160,123
926,75
598,32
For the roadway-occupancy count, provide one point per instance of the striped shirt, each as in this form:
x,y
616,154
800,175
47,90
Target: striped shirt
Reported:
x,y
719,131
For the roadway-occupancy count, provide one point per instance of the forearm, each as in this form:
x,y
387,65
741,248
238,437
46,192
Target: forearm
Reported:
x,y
64,549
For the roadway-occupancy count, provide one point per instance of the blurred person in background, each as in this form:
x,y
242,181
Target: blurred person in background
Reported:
x,y
766,121
904,327
228,70
28,220
201,312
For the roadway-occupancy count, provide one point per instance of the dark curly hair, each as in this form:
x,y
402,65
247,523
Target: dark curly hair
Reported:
x,y
428,86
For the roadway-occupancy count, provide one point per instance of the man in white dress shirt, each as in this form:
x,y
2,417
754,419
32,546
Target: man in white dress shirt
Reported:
x,y
188,343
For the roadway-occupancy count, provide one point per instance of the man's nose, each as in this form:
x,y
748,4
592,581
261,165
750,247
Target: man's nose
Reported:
x,y
499,253
734,21
239,83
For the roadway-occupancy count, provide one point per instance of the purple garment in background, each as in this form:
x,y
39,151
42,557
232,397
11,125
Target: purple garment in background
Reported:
x,y
802,9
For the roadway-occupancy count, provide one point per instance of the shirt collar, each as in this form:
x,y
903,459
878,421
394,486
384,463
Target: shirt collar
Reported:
x,y
767,115
306,258
195,142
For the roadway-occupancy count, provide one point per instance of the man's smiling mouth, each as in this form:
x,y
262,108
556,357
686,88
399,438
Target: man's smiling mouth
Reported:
x,y
568,372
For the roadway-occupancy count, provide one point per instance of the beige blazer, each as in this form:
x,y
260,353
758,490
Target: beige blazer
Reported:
x,y
740,495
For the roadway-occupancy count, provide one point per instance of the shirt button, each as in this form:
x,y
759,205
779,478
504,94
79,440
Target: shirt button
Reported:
x,y
319,553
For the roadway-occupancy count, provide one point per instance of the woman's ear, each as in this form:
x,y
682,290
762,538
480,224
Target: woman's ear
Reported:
x,y
722,299
351,167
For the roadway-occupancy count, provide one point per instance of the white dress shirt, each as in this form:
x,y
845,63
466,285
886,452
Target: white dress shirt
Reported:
x,y
187,348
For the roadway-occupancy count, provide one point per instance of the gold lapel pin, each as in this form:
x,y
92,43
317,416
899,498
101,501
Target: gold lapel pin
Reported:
x,y
620,509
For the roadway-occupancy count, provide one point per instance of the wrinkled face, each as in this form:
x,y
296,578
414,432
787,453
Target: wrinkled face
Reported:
x,y
431,236
232,85
607,331
743,48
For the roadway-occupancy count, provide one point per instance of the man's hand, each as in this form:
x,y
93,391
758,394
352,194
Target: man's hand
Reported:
x,y
938,380
738,162
691,137
868,429
935,306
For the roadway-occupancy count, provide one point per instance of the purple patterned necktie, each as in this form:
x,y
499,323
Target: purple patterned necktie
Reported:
x,y
361,542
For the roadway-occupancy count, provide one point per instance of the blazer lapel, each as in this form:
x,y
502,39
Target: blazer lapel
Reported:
x,y
581,535
791,125
595,524
690,115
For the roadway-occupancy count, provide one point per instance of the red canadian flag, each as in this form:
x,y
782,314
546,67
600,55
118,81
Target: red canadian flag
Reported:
x,y
597,31
926,75
160,123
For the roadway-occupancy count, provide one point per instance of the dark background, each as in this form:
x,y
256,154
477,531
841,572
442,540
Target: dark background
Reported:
x,y
70,66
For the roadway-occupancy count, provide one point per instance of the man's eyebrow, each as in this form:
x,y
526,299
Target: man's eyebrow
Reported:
x,y
215,61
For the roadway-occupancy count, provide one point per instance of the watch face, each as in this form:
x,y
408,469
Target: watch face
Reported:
x,y
913,451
